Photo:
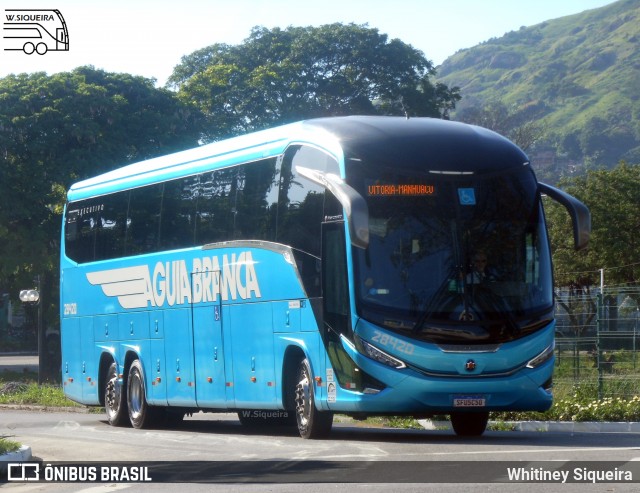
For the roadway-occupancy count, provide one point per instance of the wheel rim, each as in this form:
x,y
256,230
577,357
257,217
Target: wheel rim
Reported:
x,y
135,395
303,407
112,395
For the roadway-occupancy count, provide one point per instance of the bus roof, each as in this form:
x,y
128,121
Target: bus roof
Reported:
x,y
419,143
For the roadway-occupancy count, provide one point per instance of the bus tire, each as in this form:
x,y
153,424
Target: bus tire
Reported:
x,y
115,404
140,413
311,422
469,424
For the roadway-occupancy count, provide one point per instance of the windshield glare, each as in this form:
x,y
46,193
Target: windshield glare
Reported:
x,y
453,258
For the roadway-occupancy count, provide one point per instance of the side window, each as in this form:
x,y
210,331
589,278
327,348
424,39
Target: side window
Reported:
x,y
215,214
112,223
178,218
256,201
302,208
229,204
334,277
143,220
80,231
335,296
238,203
302,202
95,228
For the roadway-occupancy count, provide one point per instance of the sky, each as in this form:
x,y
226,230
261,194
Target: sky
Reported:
x,y
149,37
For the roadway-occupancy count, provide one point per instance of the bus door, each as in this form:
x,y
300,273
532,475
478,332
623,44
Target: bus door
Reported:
x,y
208,344
60,39
337,314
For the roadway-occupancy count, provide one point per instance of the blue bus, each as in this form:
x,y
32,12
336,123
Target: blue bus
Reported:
x,y
35,31
326,266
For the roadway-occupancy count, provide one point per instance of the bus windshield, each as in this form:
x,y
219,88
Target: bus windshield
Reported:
x,y
453,257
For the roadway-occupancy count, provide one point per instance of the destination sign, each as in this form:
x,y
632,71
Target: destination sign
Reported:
x,y
400,189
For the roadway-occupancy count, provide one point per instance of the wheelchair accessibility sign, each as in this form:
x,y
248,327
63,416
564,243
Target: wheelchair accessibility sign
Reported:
x,y
34,31
467,196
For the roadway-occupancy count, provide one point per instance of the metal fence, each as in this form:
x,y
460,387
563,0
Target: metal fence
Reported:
x,y
597,342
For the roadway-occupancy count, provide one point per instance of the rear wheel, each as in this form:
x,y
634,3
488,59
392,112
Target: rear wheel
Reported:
x,y
469,424
140,414
115,404
311,422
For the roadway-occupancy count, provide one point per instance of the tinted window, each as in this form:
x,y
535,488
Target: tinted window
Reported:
x,y
178,218
256,201
80,230
302,208
239,203
214,219
143,220
302,202
112,222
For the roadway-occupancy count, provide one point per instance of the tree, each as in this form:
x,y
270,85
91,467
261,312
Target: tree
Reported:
x,y
613,197
278,76
55,130
520,126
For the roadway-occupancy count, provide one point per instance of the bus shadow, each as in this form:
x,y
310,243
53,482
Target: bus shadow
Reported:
x,y
360,433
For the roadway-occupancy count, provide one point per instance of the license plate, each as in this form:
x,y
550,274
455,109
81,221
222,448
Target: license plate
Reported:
x,y
469,401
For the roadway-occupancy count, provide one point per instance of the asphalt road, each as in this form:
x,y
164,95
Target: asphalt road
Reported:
x,y
371,455
18,362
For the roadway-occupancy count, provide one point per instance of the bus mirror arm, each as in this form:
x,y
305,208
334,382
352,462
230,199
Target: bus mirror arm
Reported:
x,y
580,215
353,203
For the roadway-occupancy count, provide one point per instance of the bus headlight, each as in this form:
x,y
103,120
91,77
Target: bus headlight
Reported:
x,y
378,355
544,356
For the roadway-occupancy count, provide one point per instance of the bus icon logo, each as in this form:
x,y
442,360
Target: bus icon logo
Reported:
x,y
34,31
23,471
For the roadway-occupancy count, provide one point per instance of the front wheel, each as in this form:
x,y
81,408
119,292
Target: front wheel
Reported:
x,y
469,424
311,422
115,404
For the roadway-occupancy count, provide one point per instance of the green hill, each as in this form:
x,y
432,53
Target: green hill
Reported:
x,y
578,76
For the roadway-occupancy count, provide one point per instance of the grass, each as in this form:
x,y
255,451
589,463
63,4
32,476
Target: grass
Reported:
x,y
7,446
22,388
393,422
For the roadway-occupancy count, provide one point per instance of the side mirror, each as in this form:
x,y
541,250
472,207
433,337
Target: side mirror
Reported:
x,y
354,204
580,215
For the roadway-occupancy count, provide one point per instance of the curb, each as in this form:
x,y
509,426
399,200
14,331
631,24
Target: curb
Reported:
x,y
22,455
553,426
48,409
578,427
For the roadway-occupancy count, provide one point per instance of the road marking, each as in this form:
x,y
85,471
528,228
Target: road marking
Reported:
x,y
536,451
106,487
103,488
